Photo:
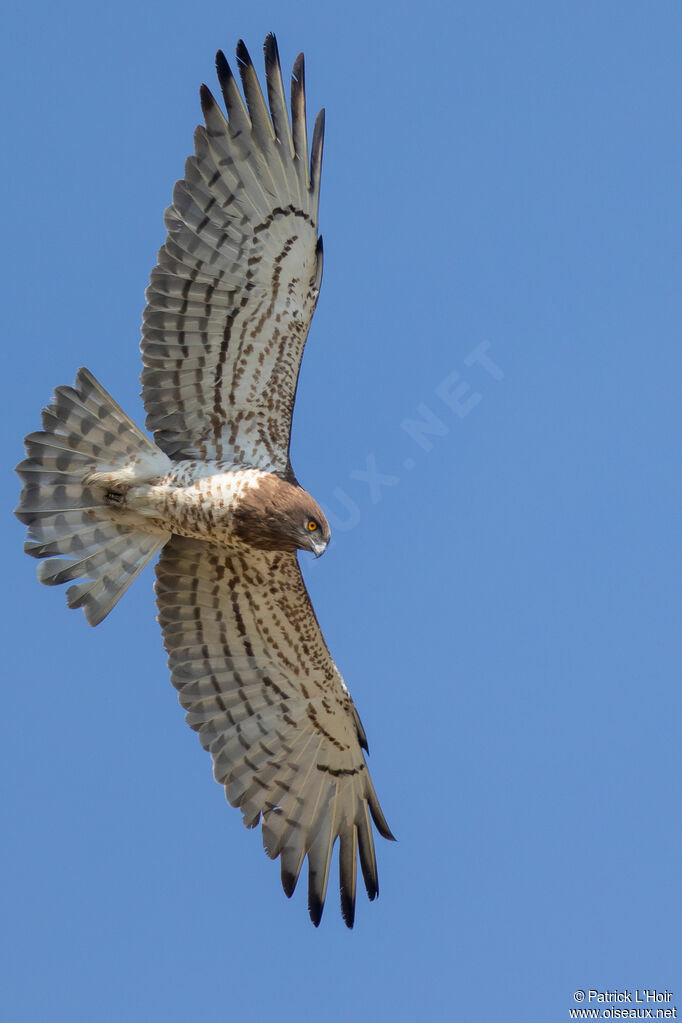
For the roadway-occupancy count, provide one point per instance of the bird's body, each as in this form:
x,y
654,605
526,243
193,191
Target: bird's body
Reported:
x,y
228,312
195,499
205,500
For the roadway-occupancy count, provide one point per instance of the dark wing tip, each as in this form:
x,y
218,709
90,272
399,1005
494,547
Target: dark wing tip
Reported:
x,y
289,882
315,907
298,73
319,254
318,130
368,863
207,100
316,151
347,909
273,68
380,822
243,54
222,67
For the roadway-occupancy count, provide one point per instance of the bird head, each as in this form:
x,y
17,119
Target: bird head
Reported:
x,y
278,515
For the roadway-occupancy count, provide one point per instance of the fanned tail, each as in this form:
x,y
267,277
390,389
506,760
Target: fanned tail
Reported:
x,y
71,517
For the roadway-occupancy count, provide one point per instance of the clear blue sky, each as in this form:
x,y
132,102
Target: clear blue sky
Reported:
x,y
505,611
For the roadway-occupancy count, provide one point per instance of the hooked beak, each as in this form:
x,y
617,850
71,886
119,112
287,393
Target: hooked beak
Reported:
x,y
318,547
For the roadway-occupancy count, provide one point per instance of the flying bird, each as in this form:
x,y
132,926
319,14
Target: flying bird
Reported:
x,y
228,311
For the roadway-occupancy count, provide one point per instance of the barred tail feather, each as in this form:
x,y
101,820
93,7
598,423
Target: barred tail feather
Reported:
x,y
65,506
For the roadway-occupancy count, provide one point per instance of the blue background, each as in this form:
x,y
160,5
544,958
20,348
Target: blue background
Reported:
x,y
506,612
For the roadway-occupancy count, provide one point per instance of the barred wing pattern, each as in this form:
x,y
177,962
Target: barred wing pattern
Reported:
x,y
231,299
259,686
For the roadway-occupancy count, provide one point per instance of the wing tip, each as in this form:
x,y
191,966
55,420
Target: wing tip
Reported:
x,y
243,56
380,821
270,48
298,71
207,99
316,152
348,909
289,882
222,67
315,907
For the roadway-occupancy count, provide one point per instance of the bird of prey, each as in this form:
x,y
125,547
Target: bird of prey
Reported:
x,y
228,311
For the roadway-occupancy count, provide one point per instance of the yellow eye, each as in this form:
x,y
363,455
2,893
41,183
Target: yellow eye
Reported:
x,y
312,525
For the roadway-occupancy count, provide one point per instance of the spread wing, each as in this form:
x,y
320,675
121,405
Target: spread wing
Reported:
x,y
259,686
230,302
